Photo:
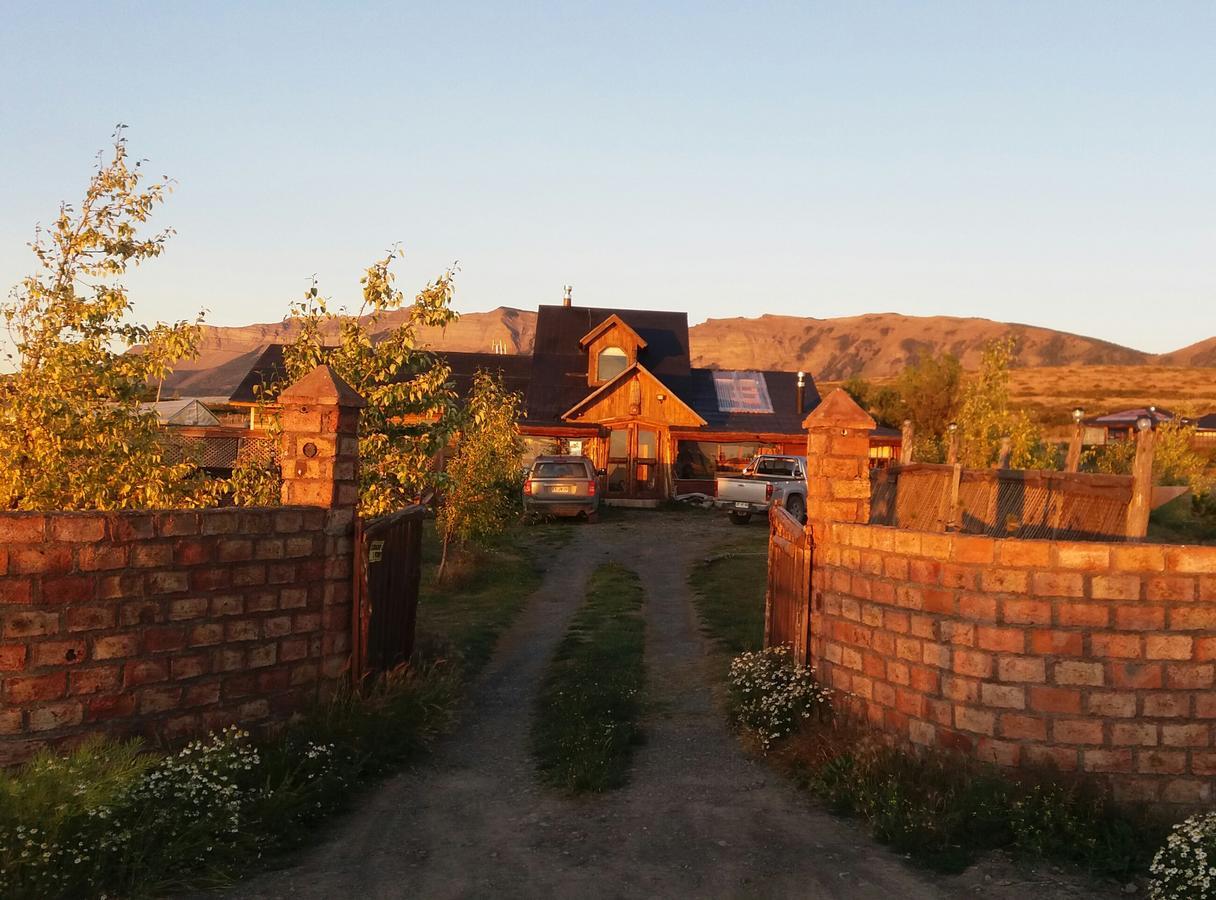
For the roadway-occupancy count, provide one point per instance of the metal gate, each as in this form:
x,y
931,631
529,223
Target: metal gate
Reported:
x,y
388,569
787,599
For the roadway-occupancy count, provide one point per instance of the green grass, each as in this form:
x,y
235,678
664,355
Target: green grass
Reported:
x,y
1177,523
944,810
483,590
587,714
728,589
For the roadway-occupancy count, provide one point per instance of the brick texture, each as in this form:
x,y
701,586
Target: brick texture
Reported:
x,y
170,623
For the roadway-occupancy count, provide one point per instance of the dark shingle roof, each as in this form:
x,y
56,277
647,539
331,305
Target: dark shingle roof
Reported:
x,y
698,392
559,368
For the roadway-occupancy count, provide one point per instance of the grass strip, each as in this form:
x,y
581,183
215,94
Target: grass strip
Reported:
x,y
728,591
587,715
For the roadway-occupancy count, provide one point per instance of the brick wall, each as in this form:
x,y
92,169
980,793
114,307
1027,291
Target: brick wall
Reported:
x,y
169,623
1093,658
1088,657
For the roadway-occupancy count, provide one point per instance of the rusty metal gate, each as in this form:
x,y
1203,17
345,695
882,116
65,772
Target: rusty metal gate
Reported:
x,y
388,569
787,599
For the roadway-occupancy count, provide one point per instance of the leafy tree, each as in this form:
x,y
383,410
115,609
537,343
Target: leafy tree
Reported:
x,y
985,418
72,434
882,401
411,411
929,396
483,473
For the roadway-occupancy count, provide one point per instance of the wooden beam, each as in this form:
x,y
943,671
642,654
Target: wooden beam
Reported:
x,y
1142,486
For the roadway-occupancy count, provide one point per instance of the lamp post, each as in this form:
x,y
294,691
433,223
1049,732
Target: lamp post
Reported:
x,y
1073,462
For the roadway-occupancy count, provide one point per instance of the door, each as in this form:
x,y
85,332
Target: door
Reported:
x,y
633,463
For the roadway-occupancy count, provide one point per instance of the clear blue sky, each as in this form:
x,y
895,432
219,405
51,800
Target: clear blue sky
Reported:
x,y
1048,162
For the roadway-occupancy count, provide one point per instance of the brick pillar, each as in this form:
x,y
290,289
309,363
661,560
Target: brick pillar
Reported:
x,y
320,446
838,461
320,461
837,490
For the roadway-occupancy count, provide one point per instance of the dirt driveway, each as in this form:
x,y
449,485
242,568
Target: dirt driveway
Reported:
x,y
698,818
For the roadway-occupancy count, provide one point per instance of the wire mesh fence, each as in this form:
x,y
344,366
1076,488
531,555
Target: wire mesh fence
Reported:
x,y
1001,502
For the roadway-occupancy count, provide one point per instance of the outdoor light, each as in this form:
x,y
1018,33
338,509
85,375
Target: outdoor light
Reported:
x,y
1144,423
801,379
1078,414
953,427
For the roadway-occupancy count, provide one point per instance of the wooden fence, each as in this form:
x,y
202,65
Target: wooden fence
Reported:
x,y
787,607
1002,502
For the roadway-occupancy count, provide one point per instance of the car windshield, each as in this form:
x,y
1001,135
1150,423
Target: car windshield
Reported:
x,y
559,470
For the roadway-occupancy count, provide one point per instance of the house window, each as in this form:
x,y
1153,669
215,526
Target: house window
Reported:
x,y
611,362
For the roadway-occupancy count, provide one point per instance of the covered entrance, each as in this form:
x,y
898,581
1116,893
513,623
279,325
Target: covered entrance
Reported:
x,y
633,462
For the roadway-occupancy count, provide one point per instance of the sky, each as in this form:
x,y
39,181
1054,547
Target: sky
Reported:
x,y
1043,162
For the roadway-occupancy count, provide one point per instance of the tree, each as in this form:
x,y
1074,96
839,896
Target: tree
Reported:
x,y
929,395
411,412
72,433
985,418
483,473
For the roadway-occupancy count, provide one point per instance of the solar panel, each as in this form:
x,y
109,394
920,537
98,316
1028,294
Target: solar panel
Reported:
x,y
742,392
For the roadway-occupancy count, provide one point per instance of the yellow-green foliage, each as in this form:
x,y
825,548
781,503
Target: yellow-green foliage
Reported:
x,y
483,474
985,418
1175,460
72,435
411,409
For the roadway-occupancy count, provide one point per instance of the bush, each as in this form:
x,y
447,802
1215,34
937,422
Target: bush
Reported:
x,y
114,818
1185,868
770,694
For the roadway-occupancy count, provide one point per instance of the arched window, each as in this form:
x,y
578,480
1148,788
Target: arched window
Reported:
x,y
611,362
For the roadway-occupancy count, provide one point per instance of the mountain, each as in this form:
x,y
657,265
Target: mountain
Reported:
x,y
876,345
1200,354
883,344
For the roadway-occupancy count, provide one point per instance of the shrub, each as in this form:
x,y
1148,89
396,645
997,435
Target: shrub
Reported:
x,y
1185,867
770,694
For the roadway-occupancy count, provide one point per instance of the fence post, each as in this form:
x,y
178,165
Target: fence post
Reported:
x,y
1006,453
1142,484
1072,462
907,435
952,446
319,455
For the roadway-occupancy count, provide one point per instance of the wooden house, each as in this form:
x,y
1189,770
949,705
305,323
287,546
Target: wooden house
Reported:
x,y
617,386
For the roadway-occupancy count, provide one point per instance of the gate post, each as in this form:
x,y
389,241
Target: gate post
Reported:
x,y
319,454
837,487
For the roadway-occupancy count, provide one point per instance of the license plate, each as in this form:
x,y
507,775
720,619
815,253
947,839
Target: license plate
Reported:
x,y
741,505
562,489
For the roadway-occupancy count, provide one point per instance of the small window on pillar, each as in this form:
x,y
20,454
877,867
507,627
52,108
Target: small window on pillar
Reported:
x,y
610,363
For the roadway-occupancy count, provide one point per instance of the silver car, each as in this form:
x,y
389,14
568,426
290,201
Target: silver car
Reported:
x,y
562,486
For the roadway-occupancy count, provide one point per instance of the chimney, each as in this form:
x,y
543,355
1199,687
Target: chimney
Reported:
x,y
801,390
566,296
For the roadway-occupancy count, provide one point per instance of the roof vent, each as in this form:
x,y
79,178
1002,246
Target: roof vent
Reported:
x,y
569,289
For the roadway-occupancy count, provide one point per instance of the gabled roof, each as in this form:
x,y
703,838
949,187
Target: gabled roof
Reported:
x,y
559,365
608,386
609,322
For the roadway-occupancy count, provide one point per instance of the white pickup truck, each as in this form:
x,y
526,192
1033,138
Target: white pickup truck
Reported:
x,y
766,480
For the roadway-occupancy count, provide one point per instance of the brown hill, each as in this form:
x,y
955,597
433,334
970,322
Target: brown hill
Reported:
x,y
1200,354
877,345
883,344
